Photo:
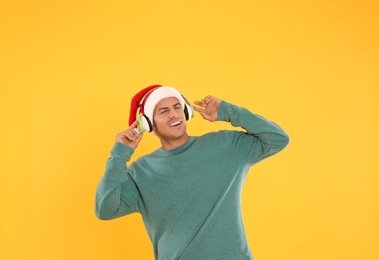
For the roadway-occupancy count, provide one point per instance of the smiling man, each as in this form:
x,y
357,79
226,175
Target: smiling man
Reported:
x,y
170,123
188,192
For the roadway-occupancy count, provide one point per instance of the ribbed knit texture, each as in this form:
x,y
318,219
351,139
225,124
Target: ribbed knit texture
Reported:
x,y
190,197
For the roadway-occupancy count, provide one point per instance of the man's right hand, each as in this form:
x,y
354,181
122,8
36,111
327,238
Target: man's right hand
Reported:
x,y
129,137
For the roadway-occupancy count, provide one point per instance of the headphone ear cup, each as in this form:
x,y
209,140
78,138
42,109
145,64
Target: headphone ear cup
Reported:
x,y
145,124
141,129
188,111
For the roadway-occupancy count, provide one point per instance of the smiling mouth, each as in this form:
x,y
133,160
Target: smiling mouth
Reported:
x,y
176,123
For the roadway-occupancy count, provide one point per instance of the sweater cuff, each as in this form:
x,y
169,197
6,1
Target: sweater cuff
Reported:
x,y
223,112
122,149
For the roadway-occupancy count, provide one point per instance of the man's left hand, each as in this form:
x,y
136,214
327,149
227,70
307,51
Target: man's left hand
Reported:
x,y
208,107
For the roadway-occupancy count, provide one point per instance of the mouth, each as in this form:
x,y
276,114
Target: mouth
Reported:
x,y
176,123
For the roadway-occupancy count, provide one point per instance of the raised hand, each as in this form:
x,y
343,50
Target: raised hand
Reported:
x,y
130,137
208,107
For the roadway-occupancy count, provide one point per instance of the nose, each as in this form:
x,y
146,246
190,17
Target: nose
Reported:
x,y
173,113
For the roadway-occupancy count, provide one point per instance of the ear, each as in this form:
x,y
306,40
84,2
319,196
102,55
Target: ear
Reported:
x,y
153,128
153,131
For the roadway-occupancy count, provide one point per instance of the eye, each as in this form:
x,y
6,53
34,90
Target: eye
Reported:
x,y
162,111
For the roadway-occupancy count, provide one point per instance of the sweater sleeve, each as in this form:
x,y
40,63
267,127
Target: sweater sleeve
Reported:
x,y
117,193
262,138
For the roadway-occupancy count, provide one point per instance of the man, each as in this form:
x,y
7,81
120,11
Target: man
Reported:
x,y
189,190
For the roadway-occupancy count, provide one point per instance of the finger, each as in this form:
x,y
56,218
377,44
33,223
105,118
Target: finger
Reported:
x,y
201,103
132,133
133,125
138,139
129,135
198,109
201,112
208,99
134,128
136,133
122,137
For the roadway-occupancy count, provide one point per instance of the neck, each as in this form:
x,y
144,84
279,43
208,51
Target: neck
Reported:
x,y
172,144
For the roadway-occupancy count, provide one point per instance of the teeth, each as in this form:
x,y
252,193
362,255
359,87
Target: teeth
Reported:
x,y
176,123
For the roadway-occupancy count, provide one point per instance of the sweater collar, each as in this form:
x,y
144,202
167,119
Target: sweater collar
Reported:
x,y
177,150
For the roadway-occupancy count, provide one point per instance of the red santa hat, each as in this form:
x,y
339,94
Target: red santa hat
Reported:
x,y
148,98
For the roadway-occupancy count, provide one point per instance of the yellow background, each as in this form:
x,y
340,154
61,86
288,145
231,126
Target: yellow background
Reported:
x,y
69,68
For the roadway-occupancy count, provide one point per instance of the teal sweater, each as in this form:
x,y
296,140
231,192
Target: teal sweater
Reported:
x,y
190,197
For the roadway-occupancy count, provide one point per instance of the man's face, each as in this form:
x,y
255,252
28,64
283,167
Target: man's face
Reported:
x,y
169,119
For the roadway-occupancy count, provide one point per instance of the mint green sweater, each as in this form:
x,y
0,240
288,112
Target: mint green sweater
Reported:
x,y
190,197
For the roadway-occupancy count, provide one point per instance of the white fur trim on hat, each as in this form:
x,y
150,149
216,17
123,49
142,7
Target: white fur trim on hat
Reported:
x,y
156,96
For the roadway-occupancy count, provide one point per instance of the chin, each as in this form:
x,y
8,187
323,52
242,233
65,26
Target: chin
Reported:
x,y
171,135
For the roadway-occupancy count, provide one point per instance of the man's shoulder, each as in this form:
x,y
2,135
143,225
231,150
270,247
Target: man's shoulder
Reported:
x,y
217,134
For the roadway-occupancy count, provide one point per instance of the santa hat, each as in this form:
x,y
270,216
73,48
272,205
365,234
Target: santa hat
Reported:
x,y
148,98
